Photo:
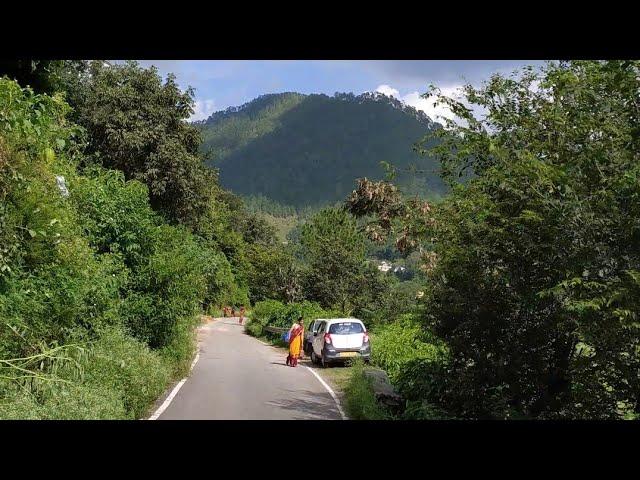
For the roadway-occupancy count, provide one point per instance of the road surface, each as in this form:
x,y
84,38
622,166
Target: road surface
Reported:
x,y
237,377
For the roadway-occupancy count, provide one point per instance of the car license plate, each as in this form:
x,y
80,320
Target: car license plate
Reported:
x,y
348,354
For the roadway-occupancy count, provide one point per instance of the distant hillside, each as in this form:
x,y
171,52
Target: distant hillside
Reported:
x,y
307,150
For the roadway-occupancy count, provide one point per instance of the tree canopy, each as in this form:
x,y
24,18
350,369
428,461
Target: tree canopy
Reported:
x,y
533,266
136,123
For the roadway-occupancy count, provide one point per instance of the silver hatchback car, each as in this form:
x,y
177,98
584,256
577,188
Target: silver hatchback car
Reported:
x,y
338,340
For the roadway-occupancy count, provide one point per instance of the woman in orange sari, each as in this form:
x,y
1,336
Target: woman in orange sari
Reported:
x,y
295,342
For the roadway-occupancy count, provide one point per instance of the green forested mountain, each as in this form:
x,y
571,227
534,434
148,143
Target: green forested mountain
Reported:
x,y
307,150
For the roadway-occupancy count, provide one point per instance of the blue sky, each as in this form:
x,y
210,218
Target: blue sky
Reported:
x,y
223,83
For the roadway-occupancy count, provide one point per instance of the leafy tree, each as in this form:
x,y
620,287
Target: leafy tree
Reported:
x,y
52,286
256,230
115,215
90,275
333,249
136,123
167,289
533,277
45,76
274,274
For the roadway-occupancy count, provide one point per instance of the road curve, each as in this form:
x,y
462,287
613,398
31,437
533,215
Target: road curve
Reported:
x,y
238,377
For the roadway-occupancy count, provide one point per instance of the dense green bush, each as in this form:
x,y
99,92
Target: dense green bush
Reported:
x,y
115,214
396,344
175,284
273,274
360,400
98,295
533,265
274,313
416,362
118,377
52,286
170,273
120,363
260,316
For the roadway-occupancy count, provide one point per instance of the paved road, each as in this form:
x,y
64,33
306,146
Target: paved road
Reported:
x,y
239,378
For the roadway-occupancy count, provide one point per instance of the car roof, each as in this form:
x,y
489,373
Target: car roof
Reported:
x,y
337,320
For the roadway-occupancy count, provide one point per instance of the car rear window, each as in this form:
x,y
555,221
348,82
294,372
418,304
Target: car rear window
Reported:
x,y
346,328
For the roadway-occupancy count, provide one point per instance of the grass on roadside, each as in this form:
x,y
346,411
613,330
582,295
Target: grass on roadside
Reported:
x,y
360,400
116,377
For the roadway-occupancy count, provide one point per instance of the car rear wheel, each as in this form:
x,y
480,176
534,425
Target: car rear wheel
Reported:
x,y
314,359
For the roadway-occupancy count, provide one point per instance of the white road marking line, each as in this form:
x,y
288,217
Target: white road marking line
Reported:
x,y
175,390
331,392
324,384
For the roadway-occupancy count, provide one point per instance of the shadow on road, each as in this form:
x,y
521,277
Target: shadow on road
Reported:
x,y
308,363
304,404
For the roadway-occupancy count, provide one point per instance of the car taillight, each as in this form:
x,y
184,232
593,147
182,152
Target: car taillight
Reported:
x,y
327,338
365,338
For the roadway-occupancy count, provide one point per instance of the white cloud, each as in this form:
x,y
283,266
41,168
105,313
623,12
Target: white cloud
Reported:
x,y
388,91
435,111
203,109
429,106
425,104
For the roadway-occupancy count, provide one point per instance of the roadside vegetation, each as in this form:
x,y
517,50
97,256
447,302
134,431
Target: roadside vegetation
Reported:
x,y
523,301
514,296
360,400
273,313
114,237
531,265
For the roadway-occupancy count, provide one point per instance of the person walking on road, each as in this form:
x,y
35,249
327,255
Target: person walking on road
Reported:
x,y
241,319
296,333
